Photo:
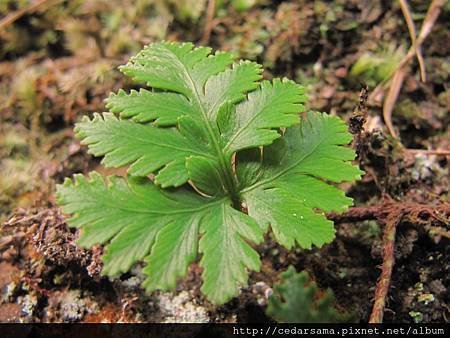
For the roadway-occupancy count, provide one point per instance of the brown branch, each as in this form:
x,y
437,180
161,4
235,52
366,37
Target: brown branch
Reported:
x,y
440,152
394,79
390,213
438,231
210,10
412,33
381,212
430,19
391,98
382,288
13,17
356,214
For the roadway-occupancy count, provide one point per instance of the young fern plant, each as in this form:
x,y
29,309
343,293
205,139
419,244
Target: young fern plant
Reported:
x,y
297,299
216,156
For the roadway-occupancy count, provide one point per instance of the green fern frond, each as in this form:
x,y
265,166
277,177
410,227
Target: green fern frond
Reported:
x,y
216,141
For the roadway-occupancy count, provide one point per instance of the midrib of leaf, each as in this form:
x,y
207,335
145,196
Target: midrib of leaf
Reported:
x,y
241,130
163,145
244,127
281,172
230,181
226,235
178,211
182,242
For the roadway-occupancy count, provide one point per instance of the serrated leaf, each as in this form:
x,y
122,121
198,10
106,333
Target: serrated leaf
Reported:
x,y
130,214
166,66
144,147
296,299
274,105
175,248
226,254
206,93
230,86
290,181
145,106
206,124
137,221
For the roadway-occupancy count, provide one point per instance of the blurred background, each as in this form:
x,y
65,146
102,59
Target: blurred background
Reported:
x,y
59,59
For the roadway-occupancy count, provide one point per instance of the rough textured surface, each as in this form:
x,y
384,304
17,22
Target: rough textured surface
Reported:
x,y
64,65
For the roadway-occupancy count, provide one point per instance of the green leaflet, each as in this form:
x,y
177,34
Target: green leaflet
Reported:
x,y
226,254
145,106
228,155
139,221
283,187
145,147
191,85
298,300
275,104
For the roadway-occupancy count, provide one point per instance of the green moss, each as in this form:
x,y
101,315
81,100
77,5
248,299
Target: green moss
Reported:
x,y
376,67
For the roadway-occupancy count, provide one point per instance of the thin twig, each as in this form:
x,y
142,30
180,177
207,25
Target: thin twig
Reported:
x,y
412,33
391,98
382,288
438,231
399,74
11,18
210,10
381,212
390,213
427,25
440,152
430,19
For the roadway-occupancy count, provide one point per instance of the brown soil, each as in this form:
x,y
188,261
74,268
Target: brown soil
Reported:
x,y
47,84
